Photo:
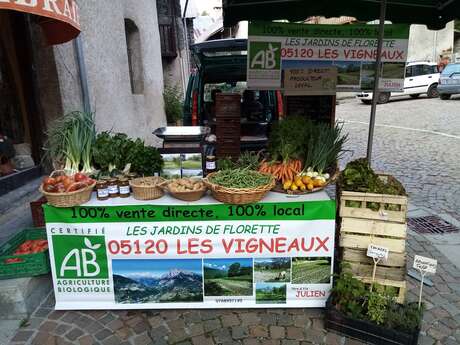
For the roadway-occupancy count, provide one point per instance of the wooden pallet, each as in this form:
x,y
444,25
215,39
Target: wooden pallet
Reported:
x,y
368,218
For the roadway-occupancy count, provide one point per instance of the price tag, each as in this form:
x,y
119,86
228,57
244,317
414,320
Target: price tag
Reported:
x,y
425,265
377,252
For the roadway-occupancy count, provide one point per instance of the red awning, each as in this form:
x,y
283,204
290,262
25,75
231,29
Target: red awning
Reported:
x,y
60,18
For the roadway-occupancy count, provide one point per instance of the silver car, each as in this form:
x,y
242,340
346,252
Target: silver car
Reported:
x,y
449,81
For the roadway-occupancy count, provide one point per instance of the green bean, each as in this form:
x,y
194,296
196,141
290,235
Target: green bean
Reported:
x,y
240,178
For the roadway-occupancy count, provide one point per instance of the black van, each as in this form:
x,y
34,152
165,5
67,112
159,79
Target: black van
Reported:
x,y
221,67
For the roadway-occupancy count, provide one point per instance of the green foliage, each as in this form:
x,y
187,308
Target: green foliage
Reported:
x,y
117,150
234,269
404,318
317,145
349,295
359,177
70,141
172,97
353,298
288,137
377,304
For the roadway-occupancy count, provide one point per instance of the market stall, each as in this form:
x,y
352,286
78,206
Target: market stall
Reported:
x,y
166,253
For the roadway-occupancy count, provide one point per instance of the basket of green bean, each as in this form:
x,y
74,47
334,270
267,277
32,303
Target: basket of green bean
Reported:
x,y
239,186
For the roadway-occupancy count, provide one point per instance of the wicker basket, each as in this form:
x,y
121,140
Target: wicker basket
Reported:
x,y
69,199
238,196
147,192
192,195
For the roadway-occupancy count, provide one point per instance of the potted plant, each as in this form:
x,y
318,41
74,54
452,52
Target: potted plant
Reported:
x,y
371,314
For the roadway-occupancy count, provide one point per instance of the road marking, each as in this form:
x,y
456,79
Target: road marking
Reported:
x,y
406,128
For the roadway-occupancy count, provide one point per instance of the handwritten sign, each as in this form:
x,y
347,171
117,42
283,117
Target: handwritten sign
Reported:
x,y
425,265
310,81
377,252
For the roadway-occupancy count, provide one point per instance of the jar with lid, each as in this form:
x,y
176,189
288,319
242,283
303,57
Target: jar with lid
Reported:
x,y
211,164
113,187
102,190
123,187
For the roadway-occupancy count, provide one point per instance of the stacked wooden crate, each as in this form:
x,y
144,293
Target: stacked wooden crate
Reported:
x,y
228,124
378,219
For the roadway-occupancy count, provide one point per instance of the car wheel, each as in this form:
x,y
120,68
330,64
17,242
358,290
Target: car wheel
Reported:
x,y
366,101
415,95
433,91
384,97
444,96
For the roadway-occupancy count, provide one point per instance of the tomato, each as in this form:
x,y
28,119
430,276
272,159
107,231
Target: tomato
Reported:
x,y
50,188
76,186
60,178
60,187
49,180
79,177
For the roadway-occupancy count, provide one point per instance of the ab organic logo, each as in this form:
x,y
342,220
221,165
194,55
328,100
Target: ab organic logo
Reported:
x,y
265,55
80,257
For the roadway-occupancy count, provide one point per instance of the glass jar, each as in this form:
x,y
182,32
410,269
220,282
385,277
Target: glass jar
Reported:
x,y
113,188
211,164
102,190
123,187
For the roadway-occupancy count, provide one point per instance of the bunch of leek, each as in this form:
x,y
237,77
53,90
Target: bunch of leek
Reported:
x,y
70,141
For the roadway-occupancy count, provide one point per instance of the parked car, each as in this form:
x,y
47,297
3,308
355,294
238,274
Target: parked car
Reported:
x,y
449,82
221,67
420,78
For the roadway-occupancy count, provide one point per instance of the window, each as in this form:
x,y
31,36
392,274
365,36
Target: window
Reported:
x,y
136,68
409,72
430,69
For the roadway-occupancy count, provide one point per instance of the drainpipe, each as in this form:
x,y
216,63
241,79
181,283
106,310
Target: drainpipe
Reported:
x,y
80,59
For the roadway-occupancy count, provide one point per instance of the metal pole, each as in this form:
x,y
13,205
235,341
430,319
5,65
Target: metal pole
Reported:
x,y
383,6
83,75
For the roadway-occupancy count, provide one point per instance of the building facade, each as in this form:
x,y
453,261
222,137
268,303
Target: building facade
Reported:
x,y
114,69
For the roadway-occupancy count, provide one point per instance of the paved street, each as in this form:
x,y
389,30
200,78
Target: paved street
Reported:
x,y
418,141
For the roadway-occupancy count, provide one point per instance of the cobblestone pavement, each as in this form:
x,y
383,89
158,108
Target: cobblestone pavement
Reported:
x,y
426,160
422,149
441,324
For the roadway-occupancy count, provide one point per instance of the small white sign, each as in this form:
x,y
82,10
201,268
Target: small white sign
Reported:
x,y
377,252
425,265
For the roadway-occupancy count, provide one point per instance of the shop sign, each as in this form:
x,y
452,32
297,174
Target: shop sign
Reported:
x,y
310,81
351,49
425,264
197,256
377,252
62,10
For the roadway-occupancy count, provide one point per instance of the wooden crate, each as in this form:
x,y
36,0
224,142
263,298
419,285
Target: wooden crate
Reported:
x,y
399,286
379,219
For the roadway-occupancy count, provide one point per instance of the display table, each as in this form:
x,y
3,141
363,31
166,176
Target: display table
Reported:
x,y
167,253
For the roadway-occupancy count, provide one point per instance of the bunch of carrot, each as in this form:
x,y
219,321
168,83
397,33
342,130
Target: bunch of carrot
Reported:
x,y
283,171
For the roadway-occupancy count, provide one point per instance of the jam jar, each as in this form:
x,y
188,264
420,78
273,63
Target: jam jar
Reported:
x,y
123,187
113,187
102,190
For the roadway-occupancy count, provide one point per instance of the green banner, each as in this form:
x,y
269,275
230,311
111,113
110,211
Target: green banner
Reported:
x,y
172,213
393,31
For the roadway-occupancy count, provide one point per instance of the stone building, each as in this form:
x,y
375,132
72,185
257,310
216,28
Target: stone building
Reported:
x,y
176,34
113,68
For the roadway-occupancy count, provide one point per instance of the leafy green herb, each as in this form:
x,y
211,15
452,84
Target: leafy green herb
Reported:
x,y
117,151
359,177
353,298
